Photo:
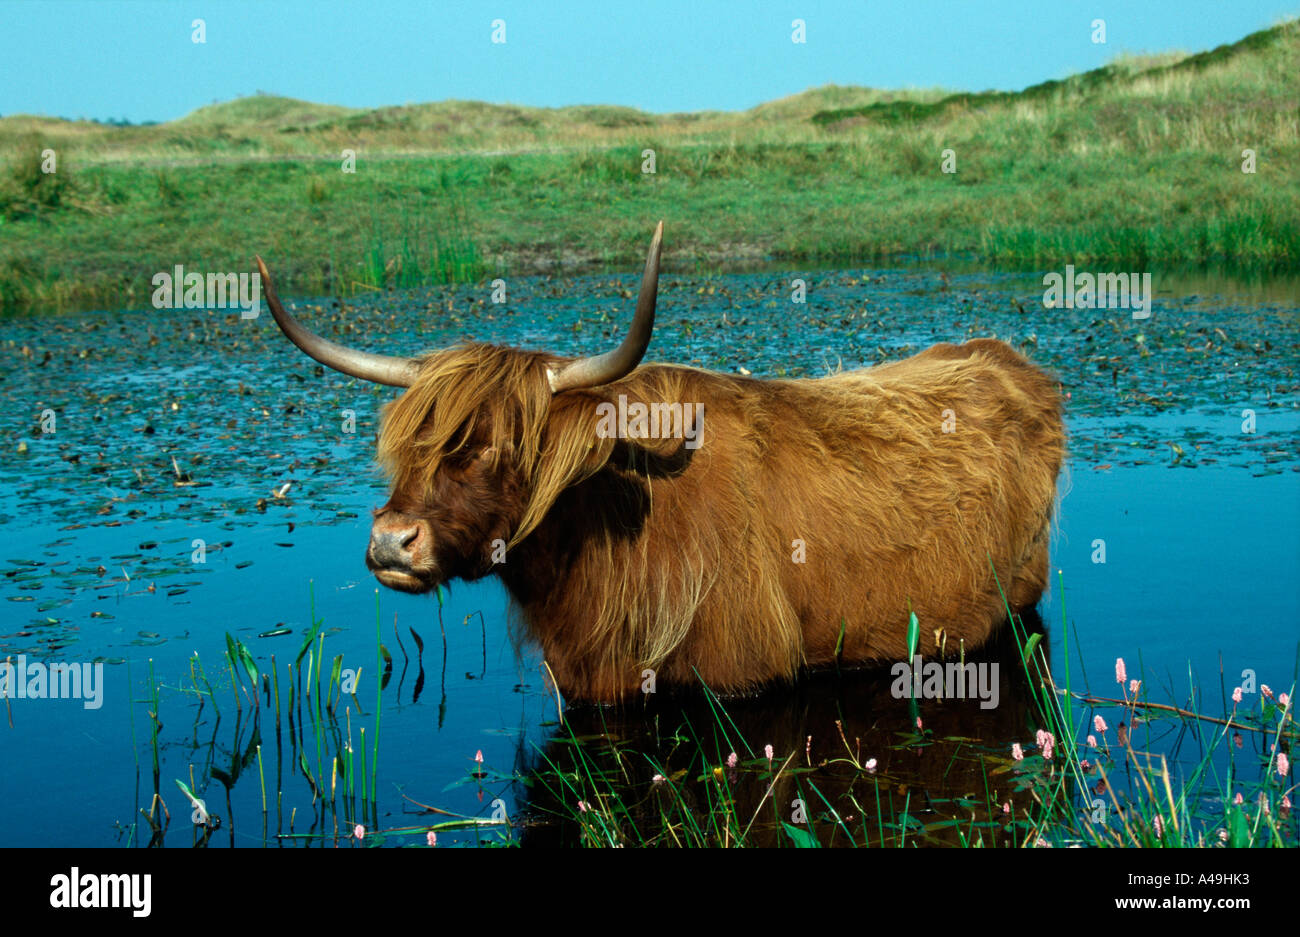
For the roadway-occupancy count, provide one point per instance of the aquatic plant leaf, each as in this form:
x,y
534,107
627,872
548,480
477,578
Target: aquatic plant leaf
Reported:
x,y
1238,829
306,645
250,665
306,772
1030,645
800,837
198,805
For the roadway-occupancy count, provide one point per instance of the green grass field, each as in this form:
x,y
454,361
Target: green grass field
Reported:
x,y
1134,165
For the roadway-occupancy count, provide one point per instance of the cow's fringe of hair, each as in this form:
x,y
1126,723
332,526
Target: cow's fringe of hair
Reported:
x,y
439,413
497,398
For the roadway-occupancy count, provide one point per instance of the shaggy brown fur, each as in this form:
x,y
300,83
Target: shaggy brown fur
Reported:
x,y
627,555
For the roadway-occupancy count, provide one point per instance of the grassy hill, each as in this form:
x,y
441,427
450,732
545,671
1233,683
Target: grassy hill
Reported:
x,y
1135,164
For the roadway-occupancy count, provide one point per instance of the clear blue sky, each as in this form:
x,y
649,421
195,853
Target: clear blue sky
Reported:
x,y
136,59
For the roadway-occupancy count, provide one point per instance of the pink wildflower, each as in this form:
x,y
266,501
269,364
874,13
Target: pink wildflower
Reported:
x,y
1120,675
359,831
431,838
1092,741
1099,723
1238,799
1236,695
870,766
1134,686
1045,741
731,760
1017,752
1283,765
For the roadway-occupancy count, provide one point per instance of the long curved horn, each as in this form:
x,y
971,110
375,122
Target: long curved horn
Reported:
x,y
602,369
382,369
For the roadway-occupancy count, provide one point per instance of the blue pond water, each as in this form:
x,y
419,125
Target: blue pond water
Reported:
x,y
187,426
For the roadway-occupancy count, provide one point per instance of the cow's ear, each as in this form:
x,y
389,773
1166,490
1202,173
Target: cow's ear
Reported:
x,y
667,453
667,447
652,457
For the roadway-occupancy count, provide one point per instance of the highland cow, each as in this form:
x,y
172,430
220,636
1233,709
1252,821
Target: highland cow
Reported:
x,y
805,524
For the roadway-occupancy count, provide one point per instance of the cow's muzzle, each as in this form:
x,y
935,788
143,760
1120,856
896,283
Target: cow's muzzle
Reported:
x,y
399,553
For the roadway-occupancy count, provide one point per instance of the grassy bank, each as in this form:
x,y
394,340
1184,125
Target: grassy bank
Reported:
x,y
1135,165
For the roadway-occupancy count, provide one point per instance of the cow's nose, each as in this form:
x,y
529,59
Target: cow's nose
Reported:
x,y
393,547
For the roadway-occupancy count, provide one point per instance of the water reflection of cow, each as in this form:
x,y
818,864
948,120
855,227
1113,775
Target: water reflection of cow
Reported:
x,y
951,781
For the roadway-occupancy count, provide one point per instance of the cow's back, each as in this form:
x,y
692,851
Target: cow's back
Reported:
x,y
875,492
